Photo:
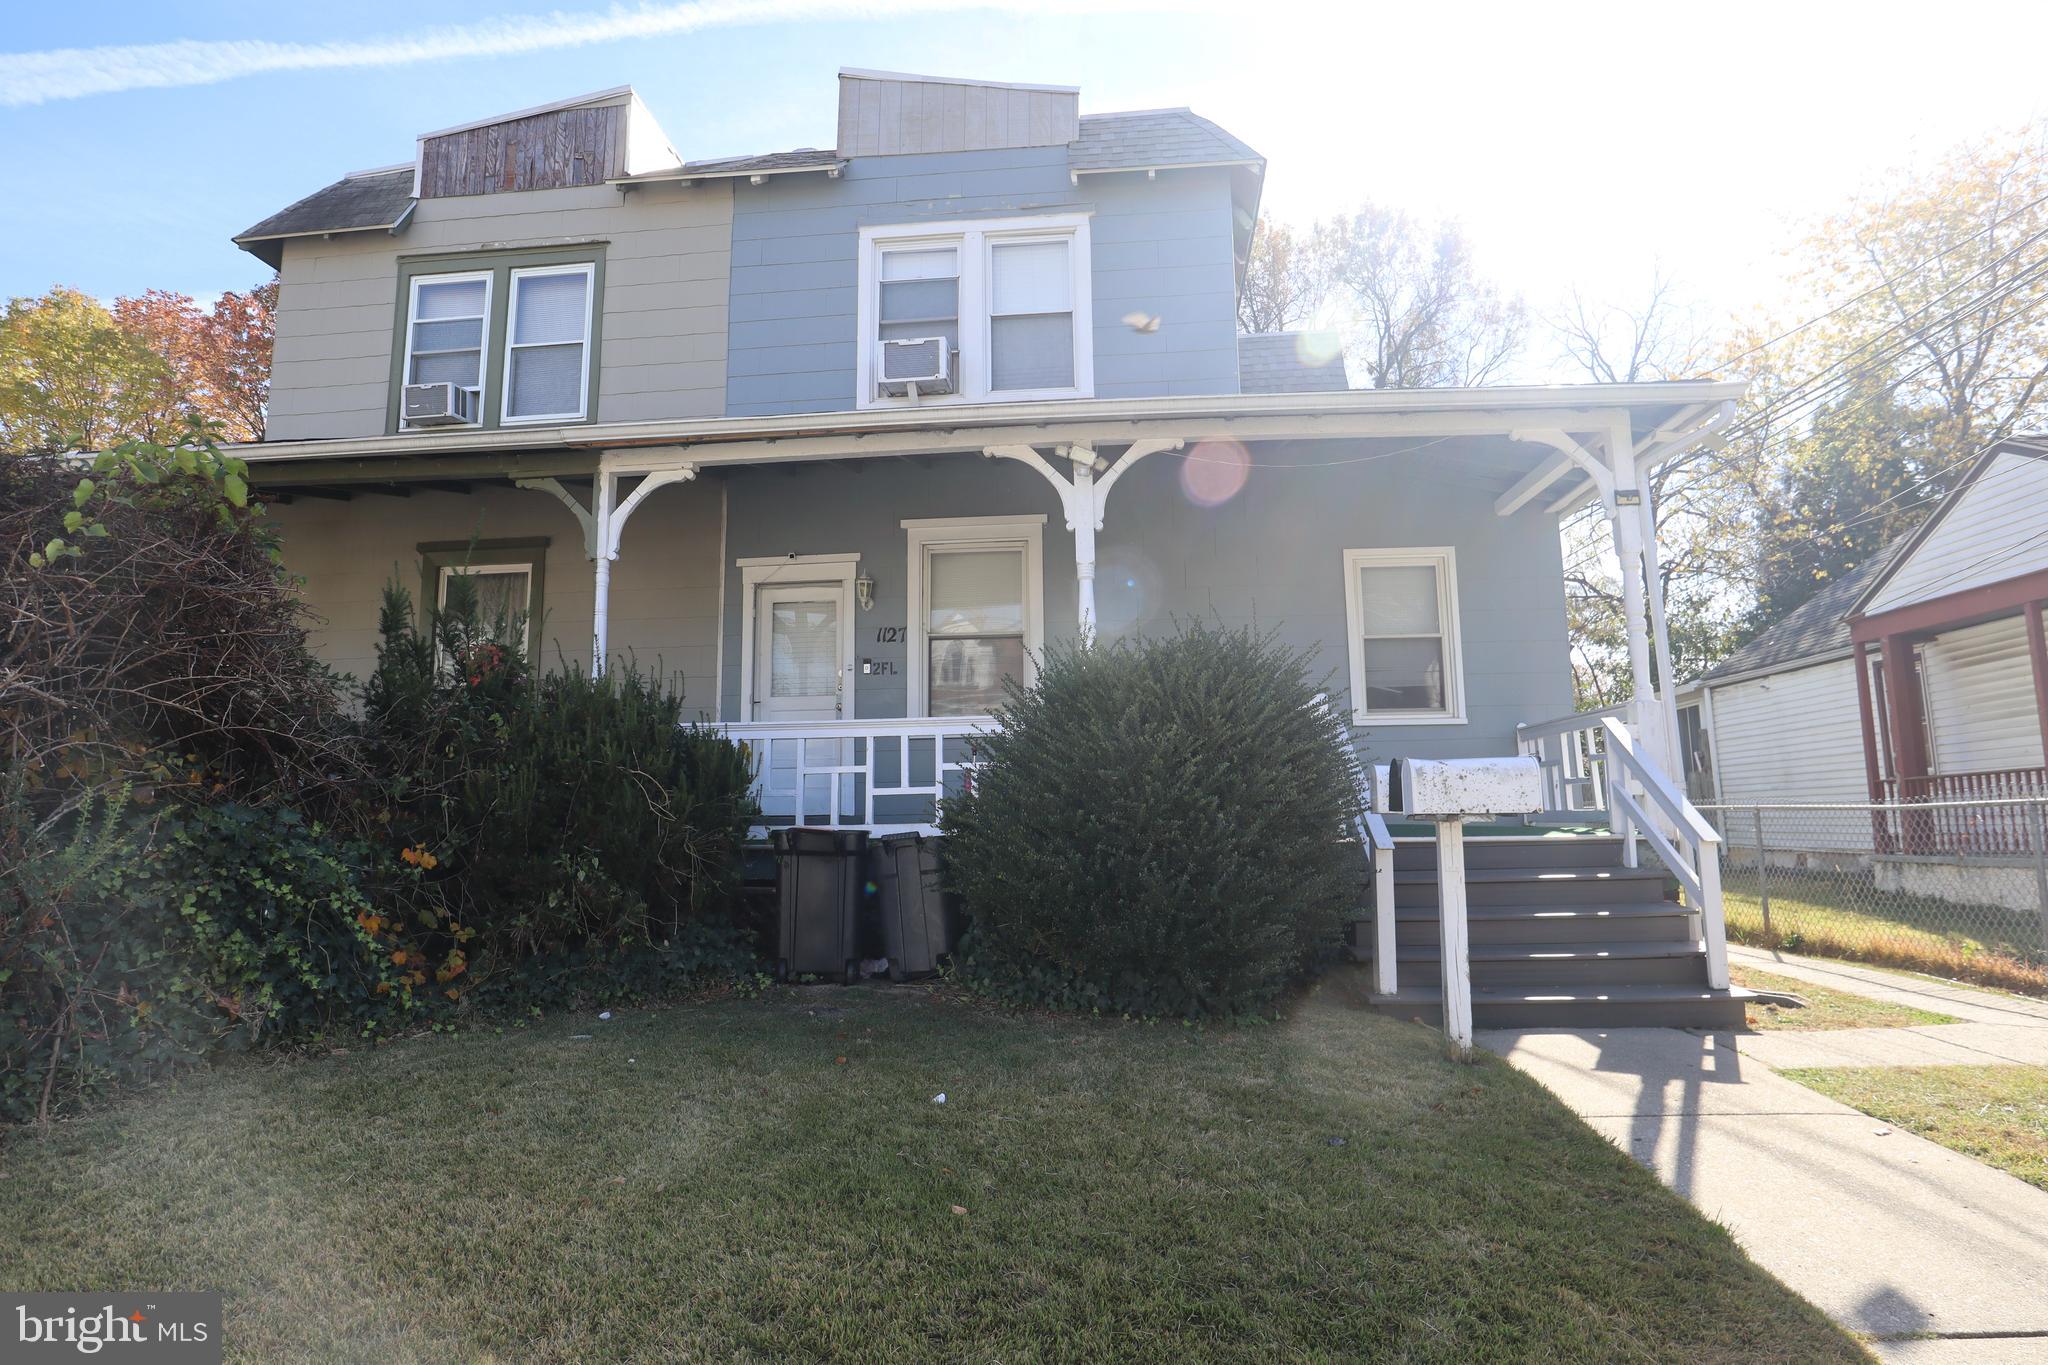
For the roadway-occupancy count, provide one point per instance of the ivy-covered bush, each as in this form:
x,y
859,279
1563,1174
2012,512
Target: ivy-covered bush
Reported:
x,y
1154,828
545,816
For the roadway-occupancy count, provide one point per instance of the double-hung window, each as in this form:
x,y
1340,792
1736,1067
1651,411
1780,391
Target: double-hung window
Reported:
x,y
976,611
445,335
503,575
1010,298
1402,606
547,345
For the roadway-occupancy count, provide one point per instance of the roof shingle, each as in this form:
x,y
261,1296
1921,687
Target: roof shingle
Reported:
x,y
1813,632
1290,362
356,203
1154,137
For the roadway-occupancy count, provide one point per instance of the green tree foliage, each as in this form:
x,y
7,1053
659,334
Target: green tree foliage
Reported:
x,y
1155,827
71,377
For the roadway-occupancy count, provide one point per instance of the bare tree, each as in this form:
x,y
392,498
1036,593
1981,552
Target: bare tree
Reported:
x,y
1658,338
1283,285
1421,315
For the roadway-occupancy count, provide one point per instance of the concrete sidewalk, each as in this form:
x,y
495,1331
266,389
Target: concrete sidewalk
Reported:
x,y
1889,1234
1967,1003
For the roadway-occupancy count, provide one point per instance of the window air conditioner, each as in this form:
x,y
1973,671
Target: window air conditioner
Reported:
x,y
916,366
439,405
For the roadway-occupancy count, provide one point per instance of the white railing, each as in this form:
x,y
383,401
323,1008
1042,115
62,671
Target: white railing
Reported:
x,y
884,776
1569,750
1682,838
1378,847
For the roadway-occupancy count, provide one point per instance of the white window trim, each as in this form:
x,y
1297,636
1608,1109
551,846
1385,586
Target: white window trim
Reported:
x,y
975,239
483,343
759,571
966,533
449,570
1444,559
588,270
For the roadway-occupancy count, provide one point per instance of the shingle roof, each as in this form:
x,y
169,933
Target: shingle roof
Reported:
x,y
768,163
1815,630
1290,362
1154,137
356,203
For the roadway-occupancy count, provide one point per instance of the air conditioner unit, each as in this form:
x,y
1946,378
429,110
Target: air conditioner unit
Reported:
x,y
439,405
915,366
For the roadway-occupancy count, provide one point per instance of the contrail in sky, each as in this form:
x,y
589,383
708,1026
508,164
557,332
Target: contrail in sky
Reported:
x,y
74,72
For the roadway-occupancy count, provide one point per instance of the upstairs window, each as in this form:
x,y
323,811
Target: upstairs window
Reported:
x,y
1403,610
445,334
547,345
1009,298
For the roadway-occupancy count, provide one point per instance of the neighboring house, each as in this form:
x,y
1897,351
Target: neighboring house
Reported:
x,y
1921,677
828,436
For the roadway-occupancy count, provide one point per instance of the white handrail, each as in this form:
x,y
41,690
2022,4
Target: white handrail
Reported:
x,y
1378,845
1568,751
1698,868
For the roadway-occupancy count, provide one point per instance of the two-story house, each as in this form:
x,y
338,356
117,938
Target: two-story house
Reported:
x,y
830,436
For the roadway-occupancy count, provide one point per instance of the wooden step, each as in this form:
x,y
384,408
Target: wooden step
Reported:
x,y
1540,851
1650,1006
1492,886
1574,966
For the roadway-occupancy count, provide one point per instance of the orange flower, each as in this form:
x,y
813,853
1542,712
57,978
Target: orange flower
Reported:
x,y
398,958
411,855
429,861
452,993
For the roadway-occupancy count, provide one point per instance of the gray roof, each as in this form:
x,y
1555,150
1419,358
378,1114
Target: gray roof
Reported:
x,y
768,163
1816,630
1154,137
1280,362
358,203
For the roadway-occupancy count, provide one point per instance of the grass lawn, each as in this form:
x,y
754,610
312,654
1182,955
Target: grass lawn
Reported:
x,y
1825,1008
771,1179
1998,1114
1831,916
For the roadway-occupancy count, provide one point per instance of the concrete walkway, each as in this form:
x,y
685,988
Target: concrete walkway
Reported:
x,y
1891,1235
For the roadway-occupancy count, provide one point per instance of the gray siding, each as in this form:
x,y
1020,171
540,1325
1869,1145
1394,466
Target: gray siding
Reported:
x,y
1270,557
891,116
666,258
1161,247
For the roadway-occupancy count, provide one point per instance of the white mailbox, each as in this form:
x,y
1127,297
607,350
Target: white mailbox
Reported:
x,y
1448,792
1474,788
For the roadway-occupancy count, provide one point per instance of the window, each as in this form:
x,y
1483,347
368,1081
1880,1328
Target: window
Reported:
x,y
445,332
519,334
506,576
547,350
1402,606
976,611
1010,296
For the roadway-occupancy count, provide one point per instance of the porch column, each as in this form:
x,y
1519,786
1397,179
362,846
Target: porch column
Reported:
x,y
1082,458
1659,733
605,496
1873,773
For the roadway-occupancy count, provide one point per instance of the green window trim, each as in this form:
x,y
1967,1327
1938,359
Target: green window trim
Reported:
x,y
499,265
437,557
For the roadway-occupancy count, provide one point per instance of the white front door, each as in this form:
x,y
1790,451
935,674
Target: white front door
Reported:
x,y
802,668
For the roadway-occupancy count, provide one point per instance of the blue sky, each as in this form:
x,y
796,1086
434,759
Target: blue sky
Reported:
x,y
1579,144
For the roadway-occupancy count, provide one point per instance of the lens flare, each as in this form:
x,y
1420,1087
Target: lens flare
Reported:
x,y
1214,472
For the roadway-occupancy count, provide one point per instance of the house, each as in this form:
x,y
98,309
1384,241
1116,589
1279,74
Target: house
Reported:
x,y
1921,679
829,437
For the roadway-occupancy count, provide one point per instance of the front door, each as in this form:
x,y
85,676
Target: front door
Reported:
x,y
801,671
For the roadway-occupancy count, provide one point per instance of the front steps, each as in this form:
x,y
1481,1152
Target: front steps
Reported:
x,y
1562,935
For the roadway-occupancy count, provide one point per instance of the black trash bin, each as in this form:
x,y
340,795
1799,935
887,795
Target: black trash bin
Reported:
x,y
920,922
818,882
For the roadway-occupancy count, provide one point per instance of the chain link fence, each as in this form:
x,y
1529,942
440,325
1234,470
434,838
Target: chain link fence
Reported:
x,y
1958,888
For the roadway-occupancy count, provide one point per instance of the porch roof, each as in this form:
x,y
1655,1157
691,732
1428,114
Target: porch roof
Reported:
x,y
1502,411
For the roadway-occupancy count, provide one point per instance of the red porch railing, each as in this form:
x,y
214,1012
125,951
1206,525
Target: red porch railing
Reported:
x,y
1991,829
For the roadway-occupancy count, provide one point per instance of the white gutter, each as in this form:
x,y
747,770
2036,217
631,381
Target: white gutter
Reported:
x,y
1472,411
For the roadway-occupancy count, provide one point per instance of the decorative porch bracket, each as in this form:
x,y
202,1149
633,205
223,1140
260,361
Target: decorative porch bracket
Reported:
x,y
583,515
1083,496
607,520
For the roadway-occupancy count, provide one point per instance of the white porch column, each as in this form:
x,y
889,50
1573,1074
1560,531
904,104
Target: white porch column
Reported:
x,y
1082,458
1642,599
605,494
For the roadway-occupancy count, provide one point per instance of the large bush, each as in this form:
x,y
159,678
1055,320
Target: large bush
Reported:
x,y
545,816
1155,826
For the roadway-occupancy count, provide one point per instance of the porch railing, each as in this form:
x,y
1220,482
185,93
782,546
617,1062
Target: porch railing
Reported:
x,y
1681,837
1377,844
1979,813
1571,752
884,776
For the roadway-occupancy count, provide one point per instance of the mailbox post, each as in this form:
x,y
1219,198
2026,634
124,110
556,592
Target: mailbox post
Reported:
x,y
1449,792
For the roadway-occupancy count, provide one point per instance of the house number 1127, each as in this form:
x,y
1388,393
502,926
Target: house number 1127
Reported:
x,y
889,635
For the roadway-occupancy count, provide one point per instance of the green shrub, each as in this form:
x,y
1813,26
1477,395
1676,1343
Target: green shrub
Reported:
x,y
1154,828
551,816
